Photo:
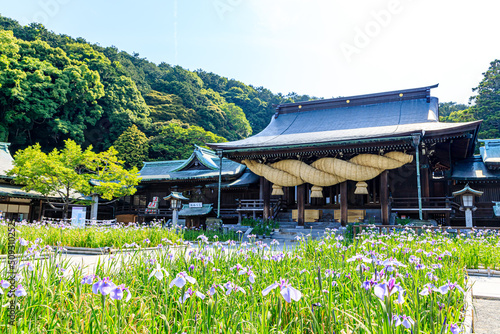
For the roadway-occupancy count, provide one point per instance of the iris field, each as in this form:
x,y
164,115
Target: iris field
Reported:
x,y
399,282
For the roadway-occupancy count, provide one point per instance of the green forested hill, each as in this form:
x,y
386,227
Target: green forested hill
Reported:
x,y
54,87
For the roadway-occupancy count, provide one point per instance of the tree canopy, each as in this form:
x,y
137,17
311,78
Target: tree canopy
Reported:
x,y
132,147
55,87
71,171
176,140
485,104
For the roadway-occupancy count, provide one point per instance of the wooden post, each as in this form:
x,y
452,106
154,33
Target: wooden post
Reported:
x,y
301,202
40,211
266,192
261,188
343,203
290,191
426,187
384,197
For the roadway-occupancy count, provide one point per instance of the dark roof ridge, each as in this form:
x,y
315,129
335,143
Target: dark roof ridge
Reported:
x,y
356,100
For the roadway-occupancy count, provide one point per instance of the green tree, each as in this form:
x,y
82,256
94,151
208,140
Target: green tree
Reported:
x,y
132,147
446,108
176,140
487,102
43,94
73,171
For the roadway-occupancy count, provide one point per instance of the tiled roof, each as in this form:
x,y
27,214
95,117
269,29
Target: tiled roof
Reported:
x,y
354,118
186,211
208,168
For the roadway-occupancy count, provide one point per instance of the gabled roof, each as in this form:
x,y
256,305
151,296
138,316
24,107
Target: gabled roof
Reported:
x,y
355,118
176,195
467,190
202,164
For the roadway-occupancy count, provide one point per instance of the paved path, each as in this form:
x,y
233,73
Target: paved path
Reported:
x,y
486,300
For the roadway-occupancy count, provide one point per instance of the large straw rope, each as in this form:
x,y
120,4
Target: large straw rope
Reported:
x,y
326,171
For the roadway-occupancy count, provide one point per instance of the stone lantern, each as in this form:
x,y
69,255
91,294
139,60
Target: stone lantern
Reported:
x,y
468,195
175,199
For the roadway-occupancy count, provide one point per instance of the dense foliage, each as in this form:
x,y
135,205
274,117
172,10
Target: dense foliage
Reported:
x,y
485,104
54,87
392,283
132,147
71,173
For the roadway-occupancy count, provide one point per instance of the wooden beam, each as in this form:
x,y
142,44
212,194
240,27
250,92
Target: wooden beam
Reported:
x,y
384,197
266,194
301,201
343,203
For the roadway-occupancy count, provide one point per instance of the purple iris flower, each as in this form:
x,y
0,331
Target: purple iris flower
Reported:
x,y
249,272
230,287
181,280
20,291
449,287
117,293
359,258
369,284
203,238
212,290
4,284
88,279
189,292
288,292
388,288
455,329
407,322
428,288
23,242
28,266
104,286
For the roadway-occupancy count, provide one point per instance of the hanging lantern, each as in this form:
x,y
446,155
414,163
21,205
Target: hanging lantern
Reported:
x,y
361,188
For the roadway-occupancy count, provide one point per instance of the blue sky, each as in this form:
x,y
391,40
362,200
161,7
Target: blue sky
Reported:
x,y
316,47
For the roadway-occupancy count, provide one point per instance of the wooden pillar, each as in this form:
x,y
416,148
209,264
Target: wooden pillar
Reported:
x,y
290,191
384,197
343,203
40,211
425,185
266,193
261,188
301,202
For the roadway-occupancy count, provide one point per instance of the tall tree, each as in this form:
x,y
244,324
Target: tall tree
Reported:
x,y
487,102
132,147
72,171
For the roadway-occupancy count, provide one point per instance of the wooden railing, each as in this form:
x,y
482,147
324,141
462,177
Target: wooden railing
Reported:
x,y
428,204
